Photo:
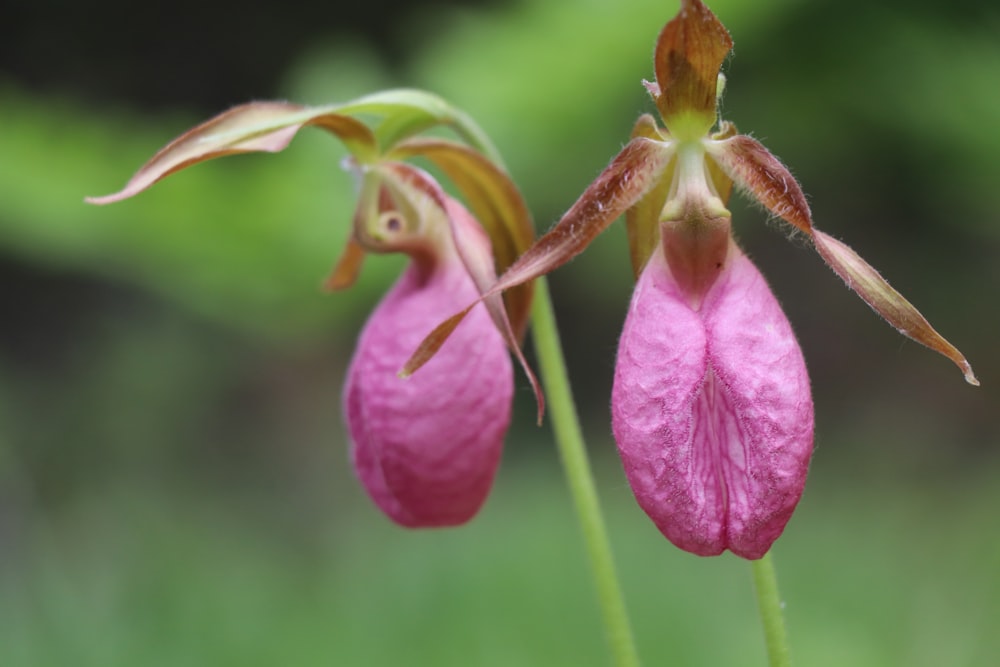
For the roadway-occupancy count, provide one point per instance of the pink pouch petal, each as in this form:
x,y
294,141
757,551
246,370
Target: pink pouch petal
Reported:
x,y
427,447
712,411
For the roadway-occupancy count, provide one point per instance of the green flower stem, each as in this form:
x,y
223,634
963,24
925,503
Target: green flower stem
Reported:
x,y
573,452
769,601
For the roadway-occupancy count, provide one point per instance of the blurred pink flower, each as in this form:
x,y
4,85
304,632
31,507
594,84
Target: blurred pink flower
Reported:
x,y
426,446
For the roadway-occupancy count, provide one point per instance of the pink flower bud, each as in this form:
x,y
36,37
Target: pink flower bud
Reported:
x,y
427,447
711,407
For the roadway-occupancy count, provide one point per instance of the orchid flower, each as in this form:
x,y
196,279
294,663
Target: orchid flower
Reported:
x,y
425,447
711,404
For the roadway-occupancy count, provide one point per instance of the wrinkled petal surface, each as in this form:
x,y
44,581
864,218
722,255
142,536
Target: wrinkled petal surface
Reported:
x,y
427,447
712,410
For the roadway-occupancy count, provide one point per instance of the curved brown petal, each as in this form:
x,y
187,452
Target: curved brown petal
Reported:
x,y
753,167
254,127
867,283
629,176
633,172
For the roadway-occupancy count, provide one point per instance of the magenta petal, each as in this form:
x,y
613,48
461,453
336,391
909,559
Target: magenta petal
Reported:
x,y
427,447
711,409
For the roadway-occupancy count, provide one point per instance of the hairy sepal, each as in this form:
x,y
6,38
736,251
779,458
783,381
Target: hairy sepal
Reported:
x,y
867,283
759,172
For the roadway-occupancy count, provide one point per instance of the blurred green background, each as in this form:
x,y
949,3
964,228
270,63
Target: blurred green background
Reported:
x,y
174,488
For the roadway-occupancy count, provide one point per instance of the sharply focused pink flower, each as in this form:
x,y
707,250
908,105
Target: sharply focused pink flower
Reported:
x,y
426,446
711,405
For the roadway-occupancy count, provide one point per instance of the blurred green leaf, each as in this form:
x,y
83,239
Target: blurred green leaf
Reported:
x,y
135,576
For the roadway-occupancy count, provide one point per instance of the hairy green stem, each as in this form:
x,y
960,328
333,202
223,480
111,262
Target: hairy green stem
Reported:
x,y
573,452
769,601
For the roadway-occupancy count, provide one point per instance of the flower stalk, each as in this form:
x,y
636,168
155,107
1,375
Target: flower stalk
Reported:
x,y
769,602
580,478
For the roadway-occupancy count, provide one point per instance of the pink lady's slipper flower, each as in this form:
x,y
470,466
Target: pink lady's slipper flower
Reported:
x,y
711,405
425,447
